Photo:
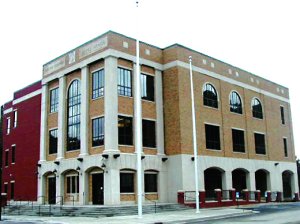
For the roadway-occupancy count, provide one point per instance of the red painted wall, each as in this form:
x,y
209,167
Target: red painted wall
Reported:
x,y
26,137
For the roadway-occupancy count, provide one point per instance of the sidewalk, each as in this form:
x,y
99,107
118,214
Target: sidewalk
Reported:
x,y
165,217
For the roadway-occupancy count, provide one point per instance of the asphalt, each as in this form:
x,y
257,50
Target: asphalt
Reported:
x,y
177,217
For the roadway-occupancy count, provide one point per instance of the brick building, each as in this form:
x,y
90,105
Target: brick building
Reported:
x,y
21,143
87,153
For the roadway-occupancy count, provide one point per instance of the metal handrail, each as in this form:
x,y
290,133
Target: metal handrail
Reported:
x,y
59,202
153,202
73,198
43,199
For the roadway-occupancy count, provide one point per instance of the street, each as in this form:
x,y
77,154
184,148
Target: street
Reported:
x,y
275,214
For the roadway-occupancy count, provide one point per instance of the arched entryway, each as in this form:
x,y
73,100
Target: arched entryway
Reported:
x,y
95,186
71,186
212,181
239,179
287,184
262,181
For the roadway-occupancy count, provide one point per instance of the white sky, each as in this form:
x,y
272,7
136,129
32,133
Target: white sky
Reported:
x,y
260,36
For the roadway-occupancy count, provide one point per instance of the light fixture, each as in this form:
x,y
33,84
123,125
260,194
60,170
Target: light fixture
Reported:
x,y
57,163
116,156
105,156
38,165
164,159
103,166
54,171
80,159
78,168
192,158
142,157
276,164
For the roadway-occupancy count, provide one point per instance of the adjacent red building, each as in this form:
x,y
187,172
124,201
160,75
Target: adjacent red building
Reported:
x,y
21,142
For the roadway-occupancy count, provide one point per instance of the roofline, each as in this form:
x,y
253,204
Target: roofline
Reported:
x,y
190,49
28,86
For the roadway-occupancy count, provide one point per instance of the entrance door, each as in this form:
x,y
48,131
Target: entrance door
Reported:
x,y
51,190
98,189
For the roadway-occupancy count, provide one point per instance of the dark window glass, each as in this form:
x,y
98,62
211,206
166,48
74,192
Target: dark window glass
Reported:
x,y
125,130
126,182
150,182
282,115
74,102
6,158
124,82
5,188
53,141
13,154
149,134
98,84
8,126
260,147
98,131
210,96
238,141
257,109
147,82
235,103
12,190
285,147
212,134
72,184
54,100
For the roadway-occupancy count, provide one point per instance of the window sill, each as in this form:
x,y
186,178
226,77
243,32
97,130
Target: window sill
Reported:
x,y
98,146
12,163
98,98
151,192
260,154
127,146
236,113
239,152
208,107
131,97
259,119
148,101
127,193
73,150
151,148
54,112
215,150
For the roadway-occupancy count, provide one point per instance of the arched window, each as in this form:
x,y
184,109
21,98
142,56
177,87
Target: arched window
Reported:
x,y
210,96
74,102
257,108
235,103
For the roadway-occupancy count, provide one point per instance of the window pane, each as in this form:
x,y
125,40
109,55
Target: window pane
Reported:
x,y
260,143
124,82
212,134
210,97
127,182
13,154
235,103
53,141
285,147
54,100
98,84
147,87
125,130
150,182
238,141
98,131
257,109
74,102
282,115
149,136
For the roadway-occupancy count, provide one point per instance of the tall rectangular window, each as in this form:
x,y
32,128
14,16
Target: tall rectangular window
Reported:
x,y
13,154
124,82
212,134
149,134
53,141
72,184
260,147
147,82
98,131
98,84
15,118
126,182
54,100
150,182
238,140
125,130
285,147
12,190
8,126
282,115
6,158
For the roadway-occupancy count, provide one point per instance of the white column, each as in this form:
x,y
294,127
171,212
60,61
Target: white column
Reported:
x,y
61,118
294,184
59,186
251,181
112,187
83,188
84,111
227,180
41,188
111,104
159,113
163,186
44,113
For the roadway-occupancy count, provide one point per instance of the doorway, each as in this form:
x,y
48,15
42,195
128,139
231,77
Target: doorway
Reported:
x,y
97,189
51,190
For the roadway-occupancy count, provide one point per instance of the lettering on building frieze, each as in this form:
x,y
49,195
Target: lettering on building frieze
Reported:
x,y
93,47
72,58
54,66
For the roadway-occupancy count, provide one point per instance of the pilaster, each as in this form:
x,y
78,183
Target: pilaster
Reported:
x,y
61,118
84,111
44,113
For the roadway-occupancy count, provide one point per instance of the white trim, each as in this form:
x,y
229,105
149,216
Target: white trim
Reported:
x,y
12,181
149,119
55,87
212,124
6,150
147,73
98,116
28,96
125,67
51,129
239,129
262,133
13,145
97,70
125,115
223,78
9,110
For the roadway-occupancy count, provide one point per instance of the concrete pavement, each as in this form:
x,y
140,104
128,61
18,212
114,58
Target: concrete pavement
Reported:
x,y
165,217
